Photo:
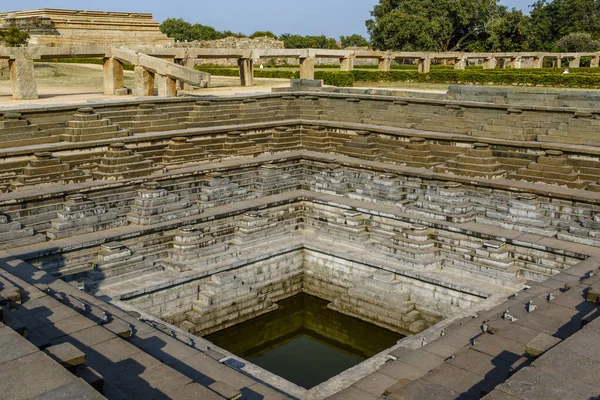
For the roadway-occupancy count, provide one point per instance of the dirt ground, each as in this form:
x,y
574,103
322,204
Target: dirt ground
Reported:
x,y
80,83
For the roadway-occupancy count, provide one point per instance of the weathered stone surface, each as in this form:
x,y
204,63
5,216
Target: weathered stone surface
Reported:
x,y
540,344
22,78
66,355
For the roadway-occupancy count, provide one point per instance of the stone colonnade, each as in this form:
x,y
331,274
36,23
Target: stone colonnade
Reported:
x,y
172,67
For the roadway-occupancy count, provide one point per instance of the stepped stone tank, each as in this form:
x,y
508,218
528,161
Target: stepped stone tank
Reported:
x,y
193,215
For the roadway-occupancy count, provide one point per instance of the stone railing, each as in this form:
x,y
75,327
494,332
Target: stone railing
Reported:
x,y
21,61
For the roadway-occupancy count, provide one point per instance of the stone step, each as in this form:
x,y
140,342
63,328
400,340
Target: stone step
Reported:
x,y
138,273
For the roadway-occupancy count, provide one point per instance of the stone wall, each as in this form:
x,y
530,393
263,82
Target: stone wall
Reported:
x,y
389,207
55,27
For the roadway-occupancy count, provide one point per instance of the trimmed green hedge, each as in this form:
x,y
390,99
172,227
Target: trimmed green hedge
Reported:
x,y
386,76
515,77
97,61
334,78
522,77
484,77
219,71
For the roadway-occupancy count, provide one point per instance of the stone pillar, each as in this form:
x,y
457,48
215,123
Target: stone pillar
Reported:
x,y
347,63
424,65
307,68
22,79
385,64
515,62
575,62
595,63
460,63
143,82
167,86
190,63
114,79
538,62
558,62
246,66
490,63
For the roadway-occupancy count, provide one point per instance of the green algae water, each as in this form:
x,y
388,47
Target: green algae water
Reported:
x,y
305,342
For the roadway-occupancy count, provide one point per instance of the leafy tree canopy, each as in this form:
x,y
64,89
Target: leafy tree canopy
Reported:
x,y
182,31
308,42
354,41
577,42
268,34
433,25
511,31
552,20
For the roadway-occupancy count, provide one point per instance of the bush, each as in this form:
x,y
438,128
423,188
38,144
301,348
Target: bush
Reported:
x,y
97,61
219,71
529,77
577,42
14,37
515,77
336,78
274,73
386,76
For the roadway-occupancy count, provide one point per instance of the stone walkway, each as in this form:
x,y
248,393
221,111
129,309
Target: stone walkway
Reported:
x,y
133,359
465,363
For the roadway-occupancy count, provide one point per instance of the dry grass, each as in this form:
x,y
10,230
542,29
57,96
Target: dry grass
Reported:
x,y
90,76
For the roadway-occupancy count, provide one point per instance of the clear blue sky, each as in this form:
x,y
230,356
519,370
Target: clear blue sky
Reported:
x,y
307,17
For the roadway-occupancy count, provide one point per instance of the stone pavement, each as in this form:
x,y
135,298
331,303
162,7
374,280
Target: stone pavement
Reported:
x,y
120,356
465,363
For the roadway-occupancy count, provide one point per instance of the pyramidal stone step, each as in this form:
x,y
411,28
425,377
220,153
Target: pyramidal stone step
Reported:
x,y
450,203
552,168
416,154
478,161
525,214
149,118
360,146
383,189
272,179
88,126
284,138
81,215
15,127
187,244
154,204
217,189
121,163
47,169
331,180
116,263
316,138
14,234
182,150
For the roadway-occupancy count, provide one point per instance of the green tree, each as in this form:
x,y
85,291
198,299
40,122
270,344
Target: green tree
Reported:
x,y
511,31
308,42
355,40
229,33
434,25
204,32
182,31
551,20
268,34
14,37
577,42
177,29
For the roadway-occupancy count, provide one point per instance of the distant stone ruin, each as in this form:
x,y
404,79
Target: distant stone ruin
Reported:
x,y
56,27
